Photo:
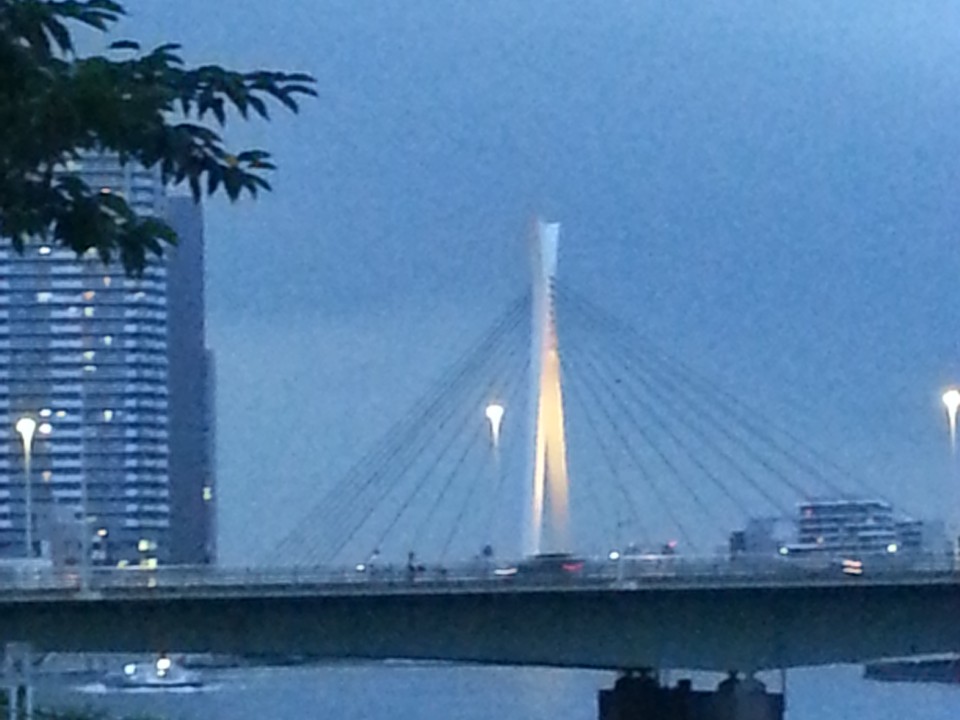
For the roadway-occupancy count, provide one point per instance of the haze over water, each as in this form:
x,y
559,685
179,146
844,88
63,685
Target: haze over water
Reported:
x,y
400,691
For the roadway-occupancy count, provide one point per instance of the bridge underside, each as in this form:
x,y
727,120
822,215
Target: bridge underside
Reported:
x,y
705,628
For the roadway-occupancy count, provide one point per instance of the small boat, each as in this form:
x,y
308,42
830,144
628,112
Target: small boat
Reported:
x,y
943,668
160,675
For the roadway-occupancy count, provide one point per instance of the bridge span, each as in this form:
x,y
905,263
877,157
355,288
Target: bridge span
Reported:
x,y
719,622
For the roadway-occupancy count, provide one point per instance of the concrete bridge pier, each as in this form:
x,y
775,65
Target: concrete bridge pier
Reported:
x,y
17,671
638,695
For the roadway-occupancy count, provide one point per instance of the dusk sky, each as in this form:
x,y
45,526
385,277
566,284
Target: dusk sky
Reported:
x,y
770,190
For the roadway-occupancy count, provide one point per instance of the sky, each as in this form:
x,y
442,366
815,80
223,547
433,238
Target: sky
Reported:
x,y
769,190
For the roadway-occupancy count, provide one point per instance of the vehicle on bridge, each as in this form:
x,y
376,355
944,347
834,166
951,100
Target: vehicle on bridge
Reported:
x,y
545,567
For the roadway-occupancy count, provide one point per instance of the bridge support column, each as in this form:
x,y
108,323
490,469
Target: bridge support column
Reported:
x,y
640,696
17,668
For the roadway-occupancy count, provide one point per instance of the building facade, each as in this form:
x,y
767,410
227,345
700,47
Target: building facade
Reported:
x,y
191,397
84,351
846,526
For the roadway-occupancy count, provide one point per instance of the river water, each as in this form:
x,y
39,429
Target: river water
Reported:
x,y
400,691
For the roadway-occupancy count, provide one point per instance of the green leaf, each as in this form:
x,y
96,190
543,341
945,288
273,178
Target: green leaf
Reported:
x,y
125,45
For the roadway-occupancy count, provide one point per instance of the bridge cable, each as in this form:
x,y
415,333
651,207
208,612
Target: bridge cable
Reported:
x,y
404,430
698,381
685,419
426,476
736,417
509,394
586,411
386,455
451,477
664,458
639,464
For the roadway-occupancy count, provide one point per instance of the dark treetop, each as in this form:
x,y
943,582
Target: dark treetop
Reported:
x,y
145,106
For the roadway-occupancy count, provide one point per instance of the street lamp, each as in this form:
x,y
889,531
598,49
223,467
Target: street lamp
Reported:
x,y
26,426
951,400
494,414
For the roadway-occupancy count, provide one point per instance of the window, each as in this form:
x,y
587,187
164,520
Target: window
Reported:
x,y
88,312
45,250
108,415
108,340
89,295
207,493
107,280
44,296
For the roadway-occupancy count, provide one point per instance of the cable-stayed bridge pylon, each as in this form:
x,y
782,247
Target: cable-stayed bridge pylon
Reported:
x,y
604,437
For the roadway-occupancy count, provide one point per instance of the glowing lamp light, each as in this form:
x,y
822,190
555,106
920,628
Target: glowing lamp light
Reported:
x,y
26,426
892,548
614,555
494,414
163,664
45,428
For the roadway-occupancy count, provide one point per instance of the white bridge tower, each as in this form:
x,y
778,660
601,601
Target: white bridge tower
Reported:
x,y
548,524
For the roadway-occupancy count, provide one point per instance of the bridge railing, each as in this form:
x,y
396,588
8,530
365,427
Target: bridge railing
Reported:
x,y
628,572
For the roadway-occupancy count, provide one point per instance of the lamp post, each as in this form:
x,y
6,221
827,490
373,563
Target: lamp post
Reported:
x,y
951,400
494,414
26,426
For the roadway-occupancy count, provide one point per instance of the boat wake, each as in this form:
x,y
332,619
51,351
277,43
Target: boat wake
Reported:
x,y
99,688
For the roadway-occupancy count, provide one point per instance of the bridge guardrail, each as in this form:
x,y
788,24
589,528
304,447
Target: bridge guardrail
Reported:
x,y
626,573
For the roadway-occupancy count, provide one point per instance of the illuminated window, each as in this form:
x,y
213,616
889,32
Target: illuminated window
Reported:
x,y
89,295
149,563
45,250
45,428
89,368
108,340
108,415
102,532
73,311
46,475
61,413
46,412
88,311
143,545
107,280
122,564
89,355
44,297
207,493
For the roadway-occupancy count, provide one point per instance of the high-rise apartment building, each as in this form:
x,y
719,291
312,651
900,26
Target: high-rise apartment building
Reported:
x,y
191,400
84,352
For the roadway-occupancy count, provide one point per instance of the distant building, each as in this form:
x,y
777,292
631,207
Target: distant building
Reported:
x,y
923,537
763,536
83,352
191,398
840,527
846,526
116,374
